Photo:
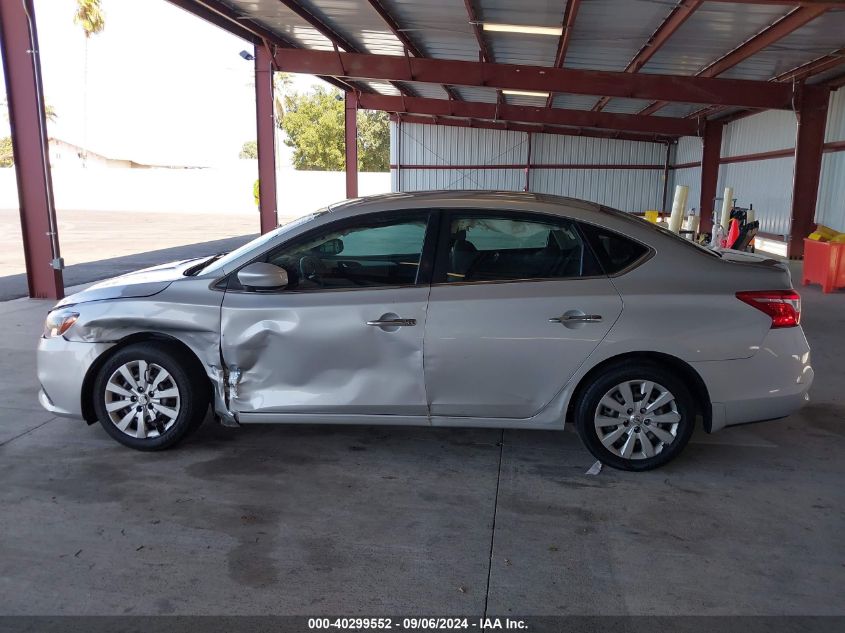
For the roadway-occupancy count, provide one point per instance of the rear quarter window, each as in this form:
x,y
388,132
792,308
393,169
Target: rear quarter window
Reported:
x,y
615,252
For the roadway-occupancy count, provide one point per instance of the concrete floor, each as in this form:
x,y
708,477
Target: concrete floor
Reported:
x,y
338,520
119,238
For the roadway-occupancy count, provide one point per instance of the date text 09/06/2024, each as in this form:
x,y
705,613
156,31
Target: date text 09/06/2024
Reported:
x,y
417,623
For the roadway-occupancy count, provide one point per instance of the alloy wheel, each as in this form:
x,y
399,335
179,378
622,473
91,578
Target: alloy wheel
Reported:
x,y
637,419
142,399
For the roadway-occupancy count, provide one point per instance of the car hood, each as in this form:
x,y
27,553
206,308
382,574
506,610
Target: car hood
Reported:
x,y
141,283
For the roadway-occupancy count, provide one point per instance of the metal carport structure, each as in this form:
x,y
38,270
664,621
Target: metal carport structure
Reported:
x,y
652,71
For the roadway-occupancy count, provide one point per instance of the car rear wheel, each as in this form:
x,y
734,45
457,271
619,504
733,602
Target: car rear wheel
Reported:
x,y
147,397
635,416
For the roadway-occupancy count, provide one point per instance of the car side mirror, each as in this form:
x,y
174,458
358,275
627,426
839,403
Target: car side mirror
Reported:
x,y
263,276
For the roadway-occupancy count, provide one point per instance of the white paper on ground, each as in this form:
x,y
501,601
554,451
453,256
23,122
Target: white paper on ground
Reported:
x,y
595,469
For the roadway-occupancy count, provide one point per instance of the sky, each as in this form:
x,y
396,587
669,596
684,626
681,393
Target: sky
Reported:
x,y
164,87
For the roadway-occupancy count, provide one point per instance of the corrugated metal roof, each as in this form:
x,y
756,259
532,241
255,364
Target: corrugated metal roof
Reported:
x,y
606,35
817,38
514,48
439,27
357,21
713,30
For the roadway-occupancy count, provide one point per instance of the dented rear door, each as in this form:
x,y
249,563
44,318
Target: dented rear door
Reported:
x,y
347,341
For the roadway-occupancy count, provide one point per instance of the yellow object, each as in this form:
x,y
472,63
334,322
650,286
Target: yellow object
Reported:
x,y
826,233
652,216
816,236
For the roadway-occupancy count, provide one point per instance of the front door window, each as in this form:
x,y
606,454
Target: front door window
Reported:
x,y
379,253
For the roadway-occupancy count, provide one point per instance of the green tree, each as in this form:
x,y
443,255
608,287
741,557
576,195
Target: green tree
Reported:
x,y
249,150
314,126
373,141
7,156
89,15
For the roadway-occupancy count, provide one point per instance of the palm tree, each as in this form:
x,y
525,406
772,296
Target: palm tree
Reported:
x,y
89,15
281,87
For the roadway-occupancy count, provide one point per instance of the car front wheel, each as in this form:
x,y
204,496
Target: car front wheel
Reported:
x,y
635,416
146,396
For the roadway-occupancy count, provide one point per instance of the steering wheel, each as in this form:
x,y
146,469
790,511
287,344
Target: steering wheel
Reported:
x,y
310,268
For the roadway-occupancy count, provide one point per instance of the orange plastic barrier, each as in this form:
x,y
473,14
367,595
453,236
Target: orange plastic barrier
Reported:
x,y
824,263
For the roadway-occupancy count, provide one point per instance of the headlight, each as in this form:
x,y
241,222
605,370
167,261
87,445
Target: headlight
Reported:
x,y
58,322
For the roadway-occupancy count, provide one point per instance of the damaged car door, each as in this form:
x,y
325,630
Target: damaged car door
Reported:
x,y
343,337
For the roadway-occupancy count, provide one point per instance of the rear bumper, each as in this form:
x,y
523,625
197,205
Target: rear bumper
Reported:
x,y
62,367
771,384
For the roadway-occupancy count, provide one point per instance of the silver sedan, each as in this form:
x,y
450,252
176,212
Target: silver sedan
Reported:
x,y
463,309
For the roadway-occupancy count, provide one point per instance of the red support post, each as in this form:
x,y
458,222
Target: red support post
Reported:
x,y
709,173
22,69
351,124
809,146
265,125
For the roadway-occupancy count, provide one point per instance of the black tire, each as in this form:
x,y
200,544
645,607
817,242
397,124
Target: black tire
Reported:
x,y
587,405
185,373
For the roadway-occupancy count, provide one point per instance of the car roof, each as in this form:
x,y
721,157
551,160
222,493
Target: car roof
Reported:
x,y
457,198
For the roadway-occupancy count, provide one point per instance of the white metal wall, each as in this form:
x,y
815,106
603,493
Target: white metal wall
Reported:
x,y
634,190
447,147
688,150
767,184
464,157
830,209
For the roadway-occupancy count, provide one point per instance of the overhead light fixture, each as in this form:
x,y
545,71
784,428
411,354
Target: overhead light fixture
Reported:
x,y
525,93
521,28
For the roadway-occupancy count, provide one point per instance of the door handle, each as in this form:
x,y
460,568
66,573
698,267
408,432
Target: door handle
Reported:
x,y
577,318
393,322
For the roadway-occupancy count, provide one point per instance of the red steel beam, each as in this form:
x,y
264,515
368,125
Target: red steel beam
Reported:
x,y
793,20
527,127
570,13
351,143
709,173
569,16
814,67
830,4
734,92
407,42
22,69
266,132
809,147
526,114
679,14
799,73
483,49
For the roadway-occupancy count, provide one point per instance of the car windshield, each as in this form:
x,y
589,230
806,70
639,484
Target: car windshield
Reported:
x,y
221,264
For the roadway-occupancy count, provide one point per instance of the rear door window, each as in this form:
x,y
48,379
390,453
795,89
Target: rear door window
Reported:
x,y
616,253
514,247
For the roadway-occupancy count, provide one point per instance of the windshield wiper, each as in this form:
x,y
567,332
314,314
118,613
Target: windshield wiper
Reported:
x,y
197,268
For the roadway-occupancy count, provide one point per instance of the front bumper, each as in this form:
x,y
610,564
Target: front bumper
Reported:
x,y
62,368
771,384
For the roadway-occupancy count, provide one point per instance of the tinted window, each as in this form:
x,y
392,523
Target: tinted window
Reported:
x,y
376,253
615,252
499,249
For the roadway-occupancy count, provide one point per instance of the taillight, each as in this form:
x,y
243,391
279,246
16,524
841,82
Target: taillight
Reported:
x,y
784,306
